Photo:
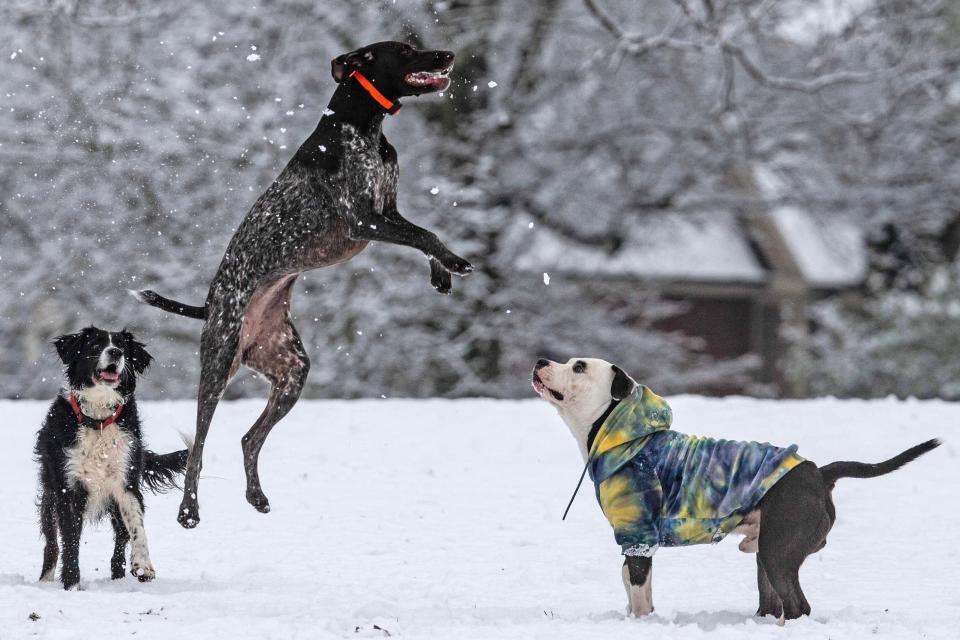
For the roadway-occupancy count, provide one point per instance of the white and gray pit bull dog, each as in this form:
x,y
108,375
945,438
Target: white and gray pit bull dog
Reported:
x,y
658,487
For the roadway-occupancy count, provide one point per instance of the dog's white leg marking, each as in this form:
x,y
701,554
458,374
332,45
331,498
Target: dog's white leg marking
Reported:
x,y
50,575
132,516
639,598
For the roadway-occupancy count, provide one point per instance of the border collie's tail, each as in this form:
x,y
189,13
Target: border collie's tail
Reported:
x,y
154,299
160,471
836,470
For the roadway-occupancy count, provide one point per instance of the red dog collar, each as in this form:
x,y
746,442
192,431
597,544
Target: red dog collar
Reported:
x,y
87,421
391,106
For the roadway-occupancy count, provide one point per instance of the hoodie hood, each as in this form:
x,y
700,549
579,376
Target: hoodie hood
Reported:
x,y
624,431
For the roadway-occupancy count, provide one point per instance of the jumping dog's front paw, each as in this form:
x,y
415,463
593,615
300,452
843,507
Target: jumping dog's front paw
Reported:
x,y
440,277
455,264
189,516
143,570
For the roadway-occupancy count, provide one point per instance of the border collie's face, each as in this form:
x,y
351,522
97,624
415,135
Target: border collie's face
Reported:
x,y
96,357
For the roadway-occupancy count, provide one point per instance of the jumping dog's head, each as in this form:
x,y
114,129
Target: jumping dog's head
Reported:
x,y
105,359
396,69
581,389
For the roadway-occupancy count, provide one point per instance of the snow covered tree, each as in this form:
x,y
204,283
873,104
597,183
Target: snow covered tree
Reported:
x,y
135,134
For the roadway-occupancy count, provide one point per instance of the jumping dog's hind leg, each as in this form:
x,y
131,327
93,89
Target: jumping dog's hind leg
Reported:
x,y
217,354
284,362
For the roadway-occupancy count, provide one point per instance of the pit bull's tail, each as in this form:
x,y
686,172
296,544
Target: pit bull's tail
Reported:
x,y
836,470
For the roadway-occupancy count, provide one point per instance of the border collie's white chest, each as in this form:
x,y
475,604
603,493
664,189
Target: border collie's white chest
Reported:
x,y
100,462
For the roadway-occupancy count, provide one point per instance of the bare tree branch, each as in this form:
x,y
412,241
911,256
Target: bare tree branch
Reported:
x,y
635,44
791,84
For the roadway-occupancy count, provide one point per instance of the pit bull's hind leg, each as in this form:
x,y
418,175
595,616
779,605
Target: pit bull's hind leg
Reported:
x,y
770,604
795,522
271,347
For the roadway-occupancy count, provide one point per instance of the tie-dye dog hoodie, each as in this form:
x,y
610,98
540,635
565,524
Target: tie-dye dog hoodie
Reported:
x,y
658,487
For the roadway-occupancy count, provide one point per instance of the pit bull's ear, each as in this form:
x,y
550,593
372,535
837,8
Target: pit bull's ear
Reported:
x,y
69,346
137,351
342,66
622,384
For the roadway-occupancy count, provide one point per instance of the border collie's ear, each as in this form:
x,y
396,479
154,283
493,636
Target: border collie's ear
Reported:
x,y
68,347
139,355
342,66
622,384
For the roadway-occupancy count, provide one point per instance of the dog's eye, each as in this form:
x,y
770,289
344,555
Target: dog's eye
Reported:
x,y
579,366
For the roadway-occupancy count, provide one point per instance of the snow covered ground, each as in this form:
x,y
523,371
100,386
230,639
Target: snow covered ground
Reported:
x,y
441,519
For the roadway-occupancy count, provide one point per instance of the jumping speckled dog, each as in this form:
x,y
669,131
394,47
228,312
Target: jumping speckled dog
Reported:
x,y
92,459
338,193
658,487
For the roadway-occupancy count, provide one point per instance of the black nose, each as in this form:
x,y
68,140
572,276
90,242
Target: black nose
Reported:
x,y
541,363
114,354
445,57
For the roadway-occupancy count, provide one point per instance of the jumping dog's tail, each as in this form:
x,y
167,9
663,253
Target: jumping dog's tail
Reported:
x,y
836,470
154,299
160,471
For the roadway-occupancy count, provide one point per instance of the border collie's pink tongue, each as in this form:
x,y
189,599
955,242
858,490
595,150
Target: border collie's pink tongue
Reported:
x,y
109,375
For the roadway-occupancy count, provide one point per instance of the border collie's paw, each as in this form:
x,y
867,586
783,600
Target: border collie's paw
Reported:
x,y
143,570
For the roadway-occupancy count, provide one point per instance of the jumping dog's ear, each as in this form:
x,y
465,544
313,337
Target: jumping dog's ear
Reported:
x,y
69,346
137,352
342,66
622,384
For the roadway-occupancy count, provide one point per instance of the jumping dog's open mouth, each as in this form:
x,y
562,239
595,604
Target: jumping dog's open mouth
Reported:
x,y
539,387
438,80
108,373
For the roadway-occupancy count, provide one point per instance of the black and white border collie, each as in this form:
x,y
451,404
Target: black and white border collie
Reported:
x,y
92,459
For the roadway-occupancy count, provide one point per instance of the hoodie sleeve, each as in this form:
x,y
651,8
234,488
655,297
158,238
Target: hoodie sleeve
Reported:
x,y
631,500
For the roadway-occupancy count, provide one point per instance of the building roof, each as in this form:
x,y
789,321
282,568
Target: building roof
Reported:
x,y
704,247
831,253
660,247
